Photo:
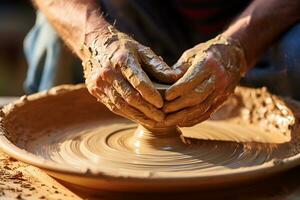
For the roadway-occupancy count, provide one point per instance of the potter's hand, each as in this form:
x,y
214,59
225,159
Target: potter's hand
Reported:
x,y
114,75
213,69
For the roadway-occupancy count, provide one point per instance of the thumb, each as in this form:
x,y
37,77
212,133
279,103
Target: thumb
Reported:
x,y
180,68
155,66
186,60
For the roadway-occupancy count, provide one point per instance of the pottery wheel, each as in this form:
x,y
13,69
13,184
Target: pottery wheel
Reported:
x,y
110,147
76,139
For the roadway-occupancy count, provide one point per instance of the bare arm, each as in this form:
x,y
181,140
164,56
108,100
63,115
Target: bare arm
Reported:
x,y
113,62
75,21
261,23
213,69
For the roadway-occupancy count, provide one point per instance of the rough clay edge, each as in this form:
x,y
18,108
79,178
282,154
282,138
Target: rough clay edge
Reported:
x,y
267,168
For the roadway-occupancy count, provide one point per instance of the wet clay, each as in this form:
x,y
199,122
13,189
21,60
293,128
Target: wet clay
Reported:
x,y
67,130
248,116
114,147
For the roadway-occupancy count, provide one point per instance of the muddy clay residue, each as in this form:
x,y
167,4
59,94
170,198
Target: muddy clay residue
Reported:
x,y
21,181
108,147
68,127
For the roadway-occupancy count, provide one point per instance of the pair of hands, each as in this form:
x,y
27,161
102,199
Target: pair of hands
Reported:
x,y
117,70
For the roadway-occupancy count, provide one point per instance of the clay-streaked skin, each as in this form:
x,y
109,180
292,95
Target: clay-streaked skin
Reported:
x,y
212,71
114,63
85,136
114,74
116,78
83,22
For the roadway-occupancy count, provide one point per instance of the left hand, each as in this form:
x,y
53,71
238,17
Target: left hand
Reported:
x,y
213,69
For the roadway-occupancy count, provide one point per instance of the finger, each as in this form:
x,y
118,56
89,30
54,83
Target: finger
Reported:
x,y
197,73
139,80
205,115
134,99
181,66
185,61
112,107
155,66
195,121
112,77
101,97
188,113
129,112
196,96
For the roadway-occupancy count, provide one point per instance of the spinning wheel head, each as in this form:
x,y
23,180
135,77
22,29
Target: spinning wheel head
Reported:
x,y
70,135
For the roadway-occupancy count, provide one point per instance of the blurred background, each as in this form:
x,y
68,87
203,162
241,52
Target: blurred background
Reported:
x,y
16,19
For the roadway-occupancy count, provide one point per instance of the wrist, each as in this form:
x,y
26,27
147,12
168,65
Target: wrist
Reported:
x,y
94,28
239,31
232,54
94,39
98,43
238,54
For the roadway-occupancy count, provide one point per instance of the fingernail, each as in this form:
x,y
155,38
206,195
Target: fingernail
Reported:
x,y
165,109
158,102
169,95
160,117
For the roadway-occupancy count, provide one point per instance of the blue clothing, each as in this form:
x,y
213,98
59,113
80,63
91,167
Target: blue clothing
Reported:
x,y
280,68
166,34
42,48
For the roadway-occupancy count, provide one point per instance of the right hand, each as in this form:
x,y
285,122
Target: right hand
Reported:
x,y
114,75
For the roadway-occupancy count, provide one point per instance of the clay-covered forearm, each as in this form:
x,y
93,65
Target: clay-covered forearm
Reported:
x,y
261,23
76,21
